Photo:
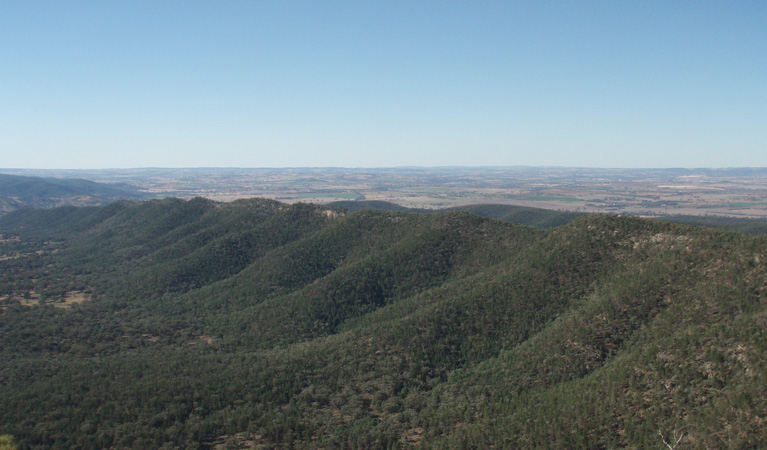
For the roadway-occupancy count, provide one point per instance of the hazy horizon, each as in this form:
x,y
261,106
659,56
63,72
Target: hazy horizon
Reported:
x,y
350,168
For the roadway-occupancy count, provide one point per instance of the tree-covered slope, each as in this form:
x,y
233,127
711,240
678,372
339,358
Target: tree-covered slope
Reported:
x,y
260,324
536,217
35,192
358,205
746,225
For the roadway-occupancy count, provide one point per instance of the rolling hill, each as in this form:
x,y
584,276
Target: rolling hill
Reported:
x,y
536,217
36,192
256,324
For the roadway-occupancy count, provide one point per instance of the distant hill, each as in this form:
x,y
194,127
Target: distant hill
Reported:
x,y
545,218
35,192
256,324
359,205
743,225
537,217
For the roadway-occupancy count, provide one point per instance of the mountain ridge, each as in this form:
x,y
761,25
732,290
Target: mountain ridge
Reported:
x,y
303,326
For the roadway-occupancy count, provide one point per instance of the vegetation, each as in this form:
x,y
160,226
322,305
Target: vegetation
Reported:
x,y
358,205
741,224
210,325
536,217
35,192
6,442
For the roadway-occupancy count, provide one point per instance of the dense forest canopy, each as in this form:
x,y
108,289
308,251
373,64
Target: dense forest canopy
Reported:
x,y
197,324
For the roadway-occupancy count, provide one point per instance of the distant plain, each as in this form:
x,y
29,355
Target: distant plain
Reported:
x,y
647,192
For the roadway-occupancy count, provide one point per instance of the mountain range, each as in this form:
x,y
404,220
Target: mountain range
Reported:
x,y
258,324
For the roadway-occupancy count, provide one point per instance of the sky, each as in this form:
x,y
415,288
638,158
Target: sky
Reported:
x,y
126,84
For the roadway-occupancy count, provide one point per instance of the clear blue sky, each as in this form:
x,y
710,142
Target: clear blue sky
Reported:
x,y
110,84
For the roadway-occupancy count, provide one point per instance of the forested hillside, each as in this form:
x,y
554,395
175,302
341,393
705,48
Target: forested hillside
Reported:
x,y
256,324
36,192
541,218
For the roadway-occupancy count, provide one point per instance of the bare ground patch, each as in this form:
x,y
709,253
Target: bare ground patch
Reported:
x,y
33,299
72,298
